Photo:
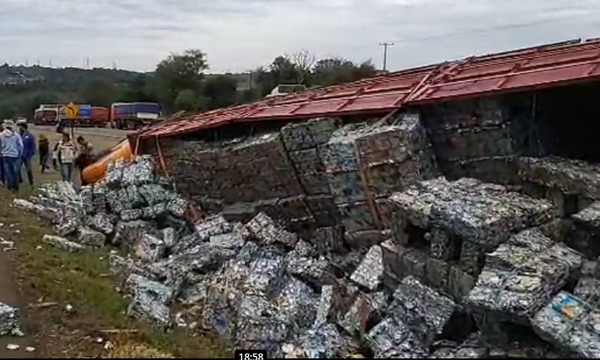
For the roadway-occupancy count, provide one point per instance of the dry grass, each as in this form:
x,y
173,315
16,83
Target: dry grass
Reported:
x,y
131,350
47,274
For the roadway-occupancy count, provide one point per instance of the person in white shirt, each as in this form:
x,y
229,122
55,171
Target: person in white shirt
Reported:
x,y
67,152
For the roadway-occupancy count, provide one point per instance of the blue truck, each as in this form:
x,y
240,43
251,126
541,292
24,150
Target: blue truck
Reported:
x,y
134,115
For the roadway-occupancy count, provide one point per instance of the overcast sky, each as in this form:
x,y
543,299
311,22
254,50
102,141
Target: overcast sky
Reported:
x,y
239,35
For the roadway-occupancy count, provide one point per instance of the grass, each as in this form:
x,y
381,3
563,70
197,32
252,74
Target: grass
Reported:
x,y
48,274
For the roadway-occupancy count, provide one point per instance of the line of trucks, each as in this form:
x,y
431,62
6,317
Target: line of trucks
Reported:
x,y
121,115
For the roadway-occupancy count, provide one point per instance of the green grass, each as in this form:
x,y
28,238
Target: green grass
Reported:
x,y
81,279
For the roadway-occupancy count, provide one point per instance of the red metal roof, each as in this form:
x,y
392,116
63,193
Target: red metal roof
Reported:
x,y
524,69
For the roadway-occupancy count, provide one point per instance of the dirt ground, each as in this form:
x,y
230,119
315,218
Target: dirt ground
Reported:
x,y
44,282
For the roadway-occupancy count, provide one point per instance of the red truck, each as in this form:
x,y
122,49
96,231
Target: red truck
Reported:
x,y
88,116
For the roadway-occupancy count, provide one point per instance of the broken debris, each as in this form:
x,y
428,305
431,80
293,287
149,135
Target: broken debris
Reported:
x,y
8,318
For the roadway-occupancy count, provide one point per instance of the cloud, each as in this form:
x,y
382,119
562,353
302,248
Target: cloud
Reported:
x,y
239,35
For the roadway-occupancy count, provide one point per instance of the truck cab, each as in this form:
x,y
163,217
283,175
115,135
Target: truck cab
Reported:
x,y
46,115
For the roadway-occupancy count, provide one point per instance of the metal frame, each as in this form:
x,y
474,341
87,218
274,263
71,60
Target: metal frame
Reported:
x,y
532,68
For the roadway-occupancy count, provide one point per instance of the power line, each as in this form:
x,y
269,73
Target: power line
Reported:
x,y
478,31
385,47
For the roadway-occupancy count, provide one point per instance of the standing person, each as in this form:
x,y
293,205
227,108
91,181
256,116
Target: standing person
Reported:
x,y
85,157
61,125
12,151
2,178
66,156
55,156
28,150
44,151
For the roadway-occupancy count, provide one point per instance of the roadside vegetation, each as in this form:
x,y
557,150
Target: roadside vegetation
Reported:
x,y
180,82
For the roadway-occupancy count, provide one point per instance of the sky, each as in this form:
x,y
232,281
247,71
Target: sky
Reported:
x,y
239,35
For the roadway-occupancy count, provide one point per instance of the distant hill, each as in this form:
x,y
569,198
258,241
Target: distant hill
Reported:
x,y
65,78
23,88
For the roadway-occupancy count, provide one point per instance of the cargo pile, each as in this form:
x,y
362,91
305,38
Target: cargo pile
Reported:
x,y
573,186
307,174
327,241
256,284
262,286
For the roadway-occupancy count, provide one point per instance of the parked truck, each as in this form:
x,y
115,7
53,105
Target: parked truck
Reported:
x,y
46,114
88,116
134,115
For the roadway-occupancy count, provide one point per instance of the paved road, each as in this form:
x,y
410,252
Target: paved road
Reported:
x,y
108,132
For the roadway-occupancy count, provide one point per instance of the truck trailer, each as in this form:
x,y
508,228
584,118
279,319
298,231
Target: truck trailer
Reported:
x,y
88,116
134,115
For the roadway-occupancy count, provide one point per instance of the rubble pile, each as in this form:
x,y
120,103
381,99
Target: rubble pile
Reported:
x,y
477,139
571,323
378,159
570,177
519,278
463,269
255,283
129,197
307,174
441,230
304,143
9,319
276,292
573,186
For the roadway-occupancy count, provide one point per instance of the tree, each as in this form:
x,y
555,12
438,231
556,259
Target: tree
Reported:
x,y
189,100
265,80
221,91
99,92
334,71
180,72
281,71
143,89
303,62
284,71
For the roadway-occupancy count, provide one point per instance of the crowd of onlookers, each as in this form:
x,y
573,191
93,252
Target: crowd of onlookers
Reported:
x,y
18,147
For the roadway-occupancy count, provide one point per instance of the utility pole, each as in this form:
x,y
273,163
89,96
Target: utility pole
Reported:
x,y
385,47
87,63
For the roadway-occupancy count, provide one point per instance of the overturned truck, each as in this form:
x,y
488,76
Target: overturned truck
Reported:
x,y
461,225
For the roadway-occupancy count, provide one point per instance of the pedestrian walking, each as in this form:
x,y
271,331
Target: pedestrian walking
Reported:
x,y
67,152
44,151
55,156
12,151
28,150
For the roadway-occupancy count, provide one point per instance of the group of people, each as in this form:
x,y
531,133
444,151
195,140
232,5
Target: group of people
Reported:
x,y
18,147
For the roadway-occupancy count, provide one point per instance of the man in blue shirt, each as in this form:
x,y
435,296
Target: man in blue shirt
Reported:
x,y
28,150
12,151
